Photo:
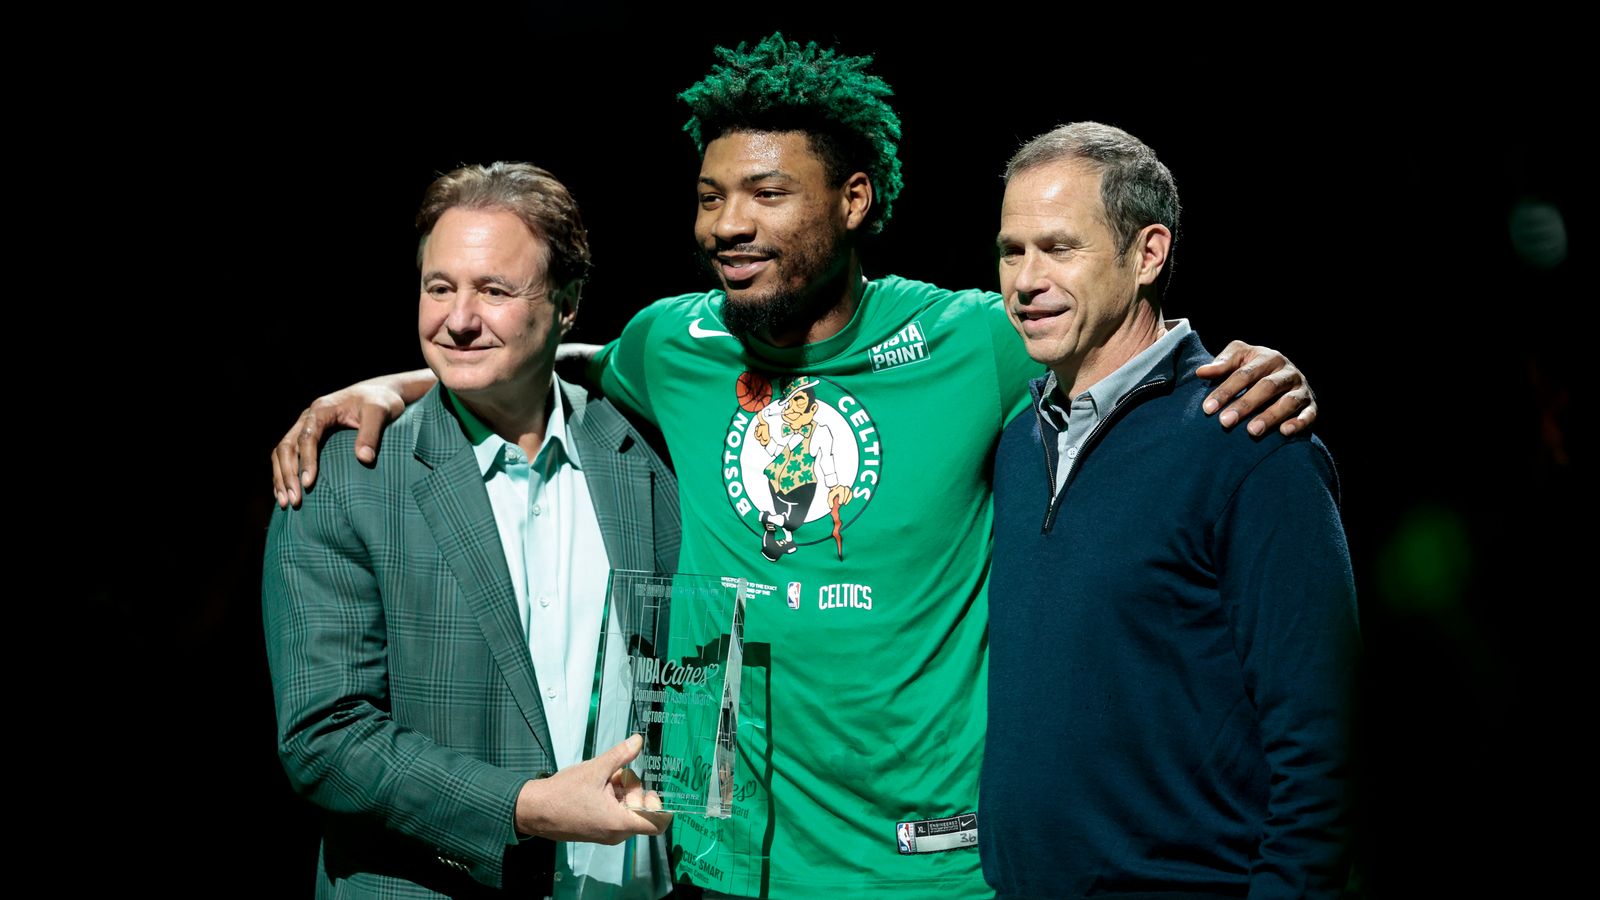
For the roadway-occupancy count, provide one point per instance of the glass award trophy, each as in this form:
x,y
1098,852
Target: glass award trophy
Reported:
x,y
671,653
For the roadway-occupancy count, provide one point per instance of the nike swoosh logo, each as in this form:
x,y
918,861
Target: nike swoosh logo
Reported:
x,y
696,331
967,822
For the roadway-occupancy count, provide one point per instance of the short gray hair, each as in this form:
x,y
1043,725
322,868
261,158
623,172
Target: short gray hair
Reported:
x,y
1136,188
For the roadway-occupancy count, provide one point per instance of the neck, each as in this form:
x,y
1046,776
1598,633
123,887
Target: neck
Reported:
x,y
1143,327
518,416
838,295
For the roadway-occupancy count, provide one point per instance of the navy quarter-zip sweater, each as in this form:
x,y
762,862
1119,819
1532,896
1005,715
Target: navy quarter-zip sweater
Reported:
x,y
1171,649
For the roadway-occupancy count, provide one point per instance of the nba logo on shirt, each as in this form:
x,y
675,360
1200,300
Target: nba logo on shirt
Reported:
x,y
905,837
794,595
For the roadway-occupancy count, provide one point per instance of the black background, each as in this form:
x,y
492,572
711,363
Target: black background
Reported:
x,y
1348,188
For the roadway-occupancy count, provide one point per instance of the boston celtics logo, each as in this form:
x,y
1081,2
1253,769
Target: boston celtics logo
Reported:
x,y
801,460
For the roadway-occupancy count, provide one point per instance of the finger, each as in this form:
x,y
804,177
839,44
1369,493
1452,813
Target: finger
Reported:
x,y
1302,420
619,756
1226,361
1259,396
1273,407
1242,366
305,445
370,432
657,821
625,780
629,790
1241,386
1225,392
277,480
289,460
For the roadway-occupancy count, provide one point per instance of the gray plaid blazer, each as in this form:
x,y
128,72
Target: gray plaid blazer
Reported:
x,y
408,707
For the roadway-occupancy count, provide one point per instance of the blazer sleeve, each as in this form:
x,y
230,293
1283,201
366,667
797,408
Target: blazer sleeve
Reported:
x,y
326,645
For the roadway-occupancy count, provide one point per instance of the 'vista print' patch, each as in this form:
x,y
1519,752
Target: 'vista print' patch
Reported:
x,y
909,345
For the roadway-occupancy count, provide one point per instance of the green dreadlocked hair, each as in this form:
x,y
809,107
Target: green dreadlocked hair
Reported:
x,y
779,86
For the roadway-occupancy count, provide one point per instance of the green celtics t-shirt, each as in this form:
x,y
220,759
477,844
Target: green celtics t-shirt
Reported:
x,y
848,481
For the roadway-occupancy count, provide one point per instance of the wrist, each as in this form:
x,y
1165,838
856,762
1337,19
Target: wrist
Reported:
x,y
529,819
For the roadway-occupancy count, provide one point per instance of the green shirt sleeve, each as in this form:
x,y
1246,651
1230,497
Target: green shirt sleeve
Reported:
x,y
619,367
1013,367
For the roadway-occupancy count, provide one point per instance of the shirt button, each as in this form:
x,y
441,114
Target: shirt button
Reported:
x,y
550,692
536,509
1072,453
544,600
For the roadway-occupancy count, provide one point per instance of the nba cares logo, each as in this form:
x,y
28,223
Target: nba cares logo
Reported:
x,y
801,460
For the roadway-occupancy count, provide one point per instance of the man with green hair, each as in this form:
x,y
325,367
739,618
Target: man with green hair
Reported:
x,y
866,632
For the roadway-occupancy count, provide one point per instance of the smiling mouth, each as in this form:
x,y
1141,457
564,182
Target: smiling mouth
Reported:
x,y
736,268
1028,315
741,269
1034,318
461,351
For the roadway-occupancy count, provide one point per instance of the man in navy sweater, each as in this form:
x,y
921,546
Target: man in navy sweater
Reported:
x,y
1172,612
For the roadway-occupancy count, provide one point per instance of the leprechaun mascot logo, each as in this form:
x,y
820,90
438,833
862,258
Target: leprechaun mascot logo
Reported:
x,y
801,461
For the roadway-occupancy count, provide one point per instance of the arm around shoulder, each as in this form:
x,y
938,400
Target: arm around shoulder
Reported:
x,y
368,406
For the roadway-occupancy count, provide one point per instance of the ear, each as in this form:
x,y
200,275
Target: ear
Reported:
x,y
855,199
566,303
1153,244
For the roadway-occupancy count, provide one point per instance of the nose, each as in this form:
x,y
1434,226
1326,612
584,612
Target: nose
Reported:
x,y
1030,281
733,224
464,321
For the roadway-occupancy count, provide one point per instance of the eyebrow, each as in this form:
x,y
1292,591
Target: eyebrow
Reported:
x,y
773,175
497,280
1054,237
530,291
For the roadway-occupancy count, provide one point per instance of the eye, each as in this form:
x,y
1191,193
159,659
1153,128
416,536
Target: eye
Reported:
x,y
768,194
1061,250
710,201
438,290
497,294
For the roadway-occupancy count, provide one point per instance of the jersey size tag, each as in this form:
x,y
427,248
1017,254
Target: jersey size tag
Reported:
x,y
937,835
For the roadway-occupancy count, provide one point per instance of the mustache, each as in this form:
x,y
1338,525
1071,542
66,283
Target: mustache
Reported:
x,y
750,249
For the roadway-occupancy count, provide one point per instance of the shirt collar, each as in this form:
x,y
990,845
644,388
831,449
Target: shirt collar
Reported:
x,y
490,448
1104,394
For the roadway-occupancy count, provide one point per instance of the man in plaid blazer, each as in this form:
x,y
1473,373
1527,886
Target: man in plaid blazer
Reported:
x,y
409,706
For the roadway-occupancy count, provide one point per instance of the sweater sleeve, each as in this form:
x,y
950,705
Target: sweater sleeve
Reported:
x,y
1287,583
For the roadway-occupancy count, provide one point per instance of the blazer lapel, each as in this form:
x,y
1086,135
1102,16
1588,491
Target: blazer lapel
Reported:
x,y
455,505
619,481
620,485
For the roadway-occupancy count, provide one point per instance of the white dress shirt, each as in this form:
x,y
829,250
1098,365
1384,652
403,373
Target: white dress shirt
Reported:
x,y
559,570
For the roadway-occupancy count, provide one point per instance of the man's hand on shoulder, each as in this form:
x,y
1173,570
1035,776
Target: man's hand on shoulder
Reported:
x,y
368,406
1259,378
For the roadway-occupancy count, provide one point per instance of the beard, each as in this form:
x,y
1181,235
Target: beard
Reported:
x,y
778,312
799,293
